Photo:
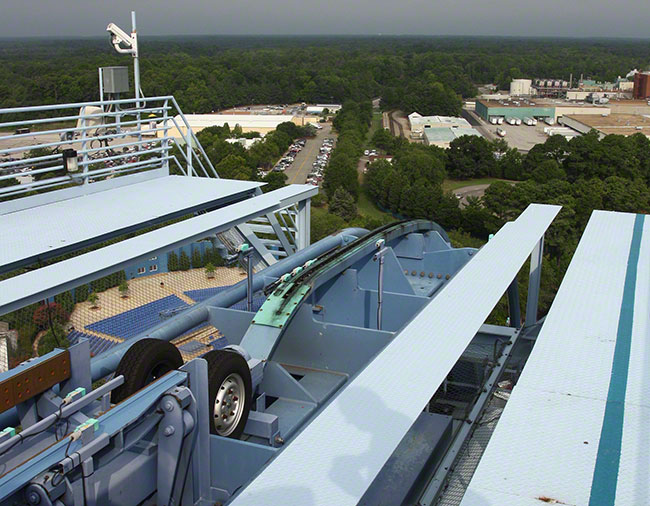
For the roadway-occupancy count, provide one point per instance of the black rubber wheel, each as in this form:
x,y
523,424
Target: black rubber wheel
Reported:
x,y
229,379
145,361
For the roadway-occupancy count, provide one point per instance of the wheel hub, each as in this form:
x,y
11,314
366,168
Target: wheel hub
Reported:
x,y
229,404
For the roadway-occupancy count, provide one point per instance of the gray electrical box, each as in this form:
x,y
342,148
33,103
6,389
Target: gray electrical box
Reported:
x,y
115,79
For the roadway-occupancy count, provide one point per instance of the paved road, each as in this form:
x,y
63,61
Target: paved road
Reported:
x,y
476,190
474,120
302,165
396,127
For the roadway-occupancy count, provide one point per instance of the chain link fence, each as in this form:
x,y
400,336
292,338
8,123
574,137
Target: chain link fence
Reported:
x,y
125,304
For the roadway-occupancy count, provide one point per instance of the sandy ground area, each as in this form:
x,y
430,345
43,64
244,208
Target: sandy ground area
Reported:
x,y
148,289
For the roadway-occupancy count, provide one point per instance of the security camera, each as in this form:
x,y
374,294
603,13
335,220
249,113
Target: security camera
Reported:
x,y
118,37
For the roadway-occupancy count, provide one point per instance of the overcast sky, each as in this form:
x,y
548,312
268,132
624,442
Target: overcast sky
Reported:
x,y
580,18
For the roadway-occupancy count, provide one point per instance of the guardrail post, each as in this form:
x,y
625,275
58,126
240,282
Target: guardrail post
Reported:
x,y
188,145
83,147
165,141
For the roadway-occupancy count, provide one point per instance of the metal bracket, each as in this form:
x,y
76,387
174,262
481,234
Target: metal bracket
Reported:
x,y
174,426
264,425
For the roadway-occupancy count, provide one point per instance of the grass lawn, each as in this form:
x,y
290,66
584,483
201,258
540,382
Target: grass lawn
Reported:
x,y
365,207
453,184
374,126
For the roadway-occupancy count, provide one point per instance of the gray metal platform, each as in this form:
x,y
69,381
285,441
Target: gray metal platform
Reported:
x,y
41,283
338,455
576,428
51,229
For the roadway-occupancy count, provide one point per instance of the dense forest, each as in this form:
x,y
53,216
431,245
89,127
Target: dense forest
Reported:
x,y
429,74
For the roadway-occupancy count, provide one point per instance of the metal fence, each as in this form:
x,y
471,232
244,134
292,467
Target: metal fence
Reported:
x,y
106,138
127,303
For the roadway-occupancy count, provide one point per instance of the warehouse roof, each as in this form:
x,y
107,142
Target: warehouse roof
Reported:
x,y
620,124
447,134
417,119
243,120
539,102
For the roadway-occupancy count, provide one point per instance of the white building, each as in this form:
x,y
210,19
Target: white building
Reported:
x,y
439,130
418,123
247,143
520,87
319,108
262,123
442,137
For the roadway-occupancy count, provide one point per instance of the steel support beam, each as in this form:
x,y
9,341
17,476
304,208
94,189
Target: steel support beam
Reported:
x,y
245,230
534,282
304,223
514,307
34,286
279,232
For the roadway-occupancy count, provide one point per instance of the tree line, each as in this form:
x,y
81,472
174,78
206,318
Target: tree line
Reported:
x,y
427,74
351,122
234,161
582,174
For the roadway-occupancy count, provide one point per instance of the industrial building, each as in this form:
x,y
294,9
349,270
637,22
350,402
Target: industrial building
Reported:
x,y
417,122
520,87
244,142
641,85
618,124
551,88
439,130
442,137
320,108
538,108
262,123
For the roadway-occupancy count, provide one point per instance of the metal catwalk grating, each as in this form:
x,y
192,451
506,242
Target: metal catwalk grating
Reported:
x,y
470,454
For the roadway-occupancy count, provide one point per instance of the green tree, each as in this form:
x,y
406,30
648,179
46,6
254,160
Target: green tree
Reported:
x,y
81,293
184,262
172,261
93,298
197,258
470,156
234,167
124,288
53,338
66,301
324,224
548,170
274,181
343,205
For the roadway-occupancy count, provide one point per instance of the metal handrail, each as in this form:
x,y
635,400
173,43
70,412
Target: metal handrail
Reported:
x,y
77,105
114,147
79,116
121,169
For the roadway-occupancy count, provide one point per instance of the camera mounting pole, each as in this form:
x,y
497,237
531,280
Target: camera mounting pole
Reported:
x,y
125,44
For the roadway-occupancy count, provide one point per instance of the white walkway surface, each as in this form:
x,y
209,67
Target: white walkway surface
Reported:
x,y
555,442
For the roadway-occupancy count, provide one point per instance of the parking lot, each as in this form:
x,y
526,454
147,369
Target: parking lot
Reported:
x,y
302,165
522,137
